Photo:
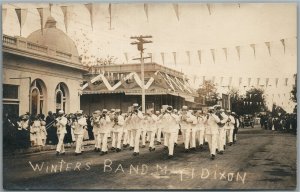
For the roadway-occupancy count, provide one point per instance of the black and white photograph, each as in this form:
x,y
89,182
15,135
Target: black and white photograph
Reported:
x,y
149,96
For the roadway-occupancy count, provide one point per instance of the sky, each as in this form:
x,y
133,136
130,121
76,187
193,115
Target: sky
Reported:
x,y
228,26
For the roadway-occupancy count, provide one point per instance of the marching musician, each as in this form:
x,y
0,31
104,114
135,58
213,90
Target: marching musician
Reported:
x,y
95,122
175,112
79,127
192,119
151,128
60,125
231,124
117,130
221,137
136,118
170,121
126,131
201,129
185,127
105,129
159,128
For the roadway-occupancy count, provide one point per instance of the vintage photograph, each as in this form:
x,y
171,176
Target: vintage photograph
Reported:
x,y
149,96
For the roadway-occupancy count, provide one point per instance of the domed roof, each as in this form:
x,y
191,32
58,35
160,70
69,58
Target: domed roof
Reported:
x,y
54,38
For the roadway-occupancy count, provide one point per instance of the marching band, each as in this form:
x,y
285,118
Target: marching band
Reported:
x,y
216,127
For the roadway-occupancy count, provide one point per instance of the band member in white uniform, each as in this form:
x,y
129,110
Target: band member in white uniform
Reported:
x,y
95,122
60,125
126,128
104,130
185,127
159,128
194,128
201,128
231,124
79,127
151,128
117,130
175,112
223,119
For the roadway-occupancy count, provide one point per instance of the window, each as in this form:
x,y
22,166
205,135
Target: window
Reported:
x,y
10,91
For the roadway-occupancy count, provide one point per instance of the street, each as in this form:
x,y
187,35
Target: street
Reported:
x,y
261,159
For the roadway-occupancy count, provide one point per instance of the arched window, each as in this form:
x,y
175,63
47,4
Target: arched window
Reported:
x,y
61,95
37,97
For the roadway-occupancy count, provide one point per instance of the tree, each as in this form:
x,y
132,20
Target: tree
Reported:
x,y
294,90
207,94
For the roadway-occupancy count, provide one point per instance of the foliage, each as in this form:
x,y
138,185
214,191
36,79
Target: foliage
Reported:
x,y
207,94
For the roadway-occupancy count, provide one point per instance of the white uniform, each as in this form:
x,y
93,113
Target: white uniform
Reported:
x,y
185,125
35,133
79,130
231,128
96,131
104,131
193,124
177,127
144,129
126,132
212,132
222,132
159,129
151,129
117,132
135,123
61,131
201,130
170,122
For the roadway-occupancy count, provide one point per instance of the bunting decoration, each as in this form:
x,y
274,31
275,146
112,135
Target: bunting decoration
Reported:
x,y
146,11
221,81
109,11
209,8
249,81
276,81
174,55
199,55
126,57
90,9
257,83
286,81
225,52
238,51
21,14
64,9
213,79
176,9
4,12
240,81
269,47
163,57
50,8
230,81
213,54
41,13
189,58
267,82
253,47
203,79
283,44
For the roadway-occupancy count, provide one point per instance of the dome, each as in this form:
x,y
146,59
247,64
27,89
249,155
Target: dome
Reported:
x,y
54,38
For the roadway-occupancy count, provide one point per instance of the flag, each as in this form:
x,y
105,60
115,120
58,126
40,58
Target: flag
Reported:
x,y
64,9
176,9
213,79
276,81
189,58
249,81
199,55
253,47
174,55
258,79
286,81
109,11
163,57
203,79
238,51
283,44
269,47
209,8
267,82
146,11
126,57
225,52
21,14
4,12
221,81
213,54
230,80
41,13
90,9
240,81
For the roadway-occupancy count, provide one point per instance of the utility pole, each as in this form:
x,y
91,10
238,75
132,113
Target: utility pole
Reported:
x,y
140,46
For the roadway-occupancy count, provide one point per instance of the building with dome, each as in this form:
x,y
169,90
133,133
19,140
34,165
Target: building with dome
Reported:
x,y
42,72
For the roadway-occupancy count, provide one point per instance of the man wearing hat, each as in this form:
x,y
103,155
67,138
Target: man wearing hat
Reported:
x,y
117,130
201,129
231,124
170,121
151,128
104,130
60,125
192,119
136,118
236,126
79,127
185,124
95,122
159,127
223,119
175,112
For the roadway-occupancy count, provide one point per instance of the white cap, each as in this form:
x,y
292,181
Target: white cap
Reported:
x,y
157,112
185,107
113,110
104,110
118,110
175,110
79,112
135,105
61,112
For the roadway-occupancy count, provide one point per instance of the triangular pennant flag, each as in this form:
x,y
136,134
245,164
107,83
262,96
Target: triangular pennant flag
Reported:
x,y
146,11
283,44
267,82
238,51
176,9
209,8
249,81
230,81
64,9
109,11
279,95
199,55
203,79
21,14
221,81
240,81
50,8
41,13
174,55
163,57
257,83
269,47
4,12
90,9
286,81
276,81
126,57
213,54
213,79
188,55
253,47
225,52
